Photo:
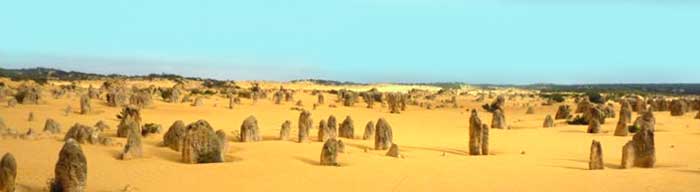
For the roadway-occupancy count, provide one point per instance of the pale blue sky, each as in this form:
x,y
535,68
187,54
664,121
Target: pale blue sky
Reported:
x,y
478,41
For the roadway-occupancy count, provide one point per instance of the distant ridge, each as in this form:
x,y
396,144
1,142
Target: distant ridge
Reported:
x,y
42,75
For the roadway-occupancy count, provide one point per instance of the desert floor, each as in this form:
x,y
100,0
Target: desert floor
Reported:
x,y
433,142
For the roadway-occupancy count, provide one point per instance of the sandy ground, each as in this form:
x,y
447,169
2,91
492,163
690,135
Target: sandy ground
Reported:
x,y
434,144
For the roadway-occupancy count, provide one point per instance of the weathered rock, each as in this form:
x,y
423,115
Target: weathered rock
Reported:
x,y
31,116
499,120
625,112
12,102
347,128
369,100
497,104
201,144
140,99
485,139
173,137
28,95
30,135
384,135
621,129
51,126
67,111
82,134
584,106
475,133
332,127
285,130
646,121
231,102
596,157
85,105
697,116
132,149
640,152
150,128
221,134
678,107
595,112
639,105
530,110
321,99
548,122
277,97
329,153
288,95
3,126
609,111
71,169
305,124
341,146
593,126
249,130
106,141
198,102
173,95
101,126
8,173
628,155
117,98
323,131
369,131
130,117
393,151
93,93
393,101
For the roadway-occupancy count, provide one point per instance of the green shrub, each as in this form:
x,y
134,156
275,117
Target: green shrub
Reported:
x,y
633,128
578,120
595,97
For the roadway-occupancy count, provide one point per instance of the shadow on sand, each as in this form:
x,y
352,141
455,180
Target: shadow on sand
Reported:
x,y
307,161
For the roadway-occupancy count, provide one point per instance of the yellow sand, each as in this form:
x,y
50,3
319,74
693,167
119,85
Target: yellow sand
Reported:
x,y
434,144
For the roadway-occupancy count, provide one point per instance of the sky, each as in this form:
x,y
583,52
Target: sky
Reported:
x,y
473,41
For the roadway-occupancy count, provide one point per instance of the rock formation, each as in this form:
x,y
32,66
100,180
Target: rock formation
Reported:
x,y
329,153
347,128
475,134
51,126
596,157
393,151
384,136
8,173
85,105
369,131
249,130
548,122
201,144
305,124
285,130
593,126
130,118
71,169
640,152
499,119
173,137
132,149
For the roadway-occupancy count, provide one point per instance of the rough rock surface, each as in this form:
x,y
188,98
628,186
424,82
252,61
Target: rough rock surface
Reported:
x,y
201,144
384,135
596,156
71,169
